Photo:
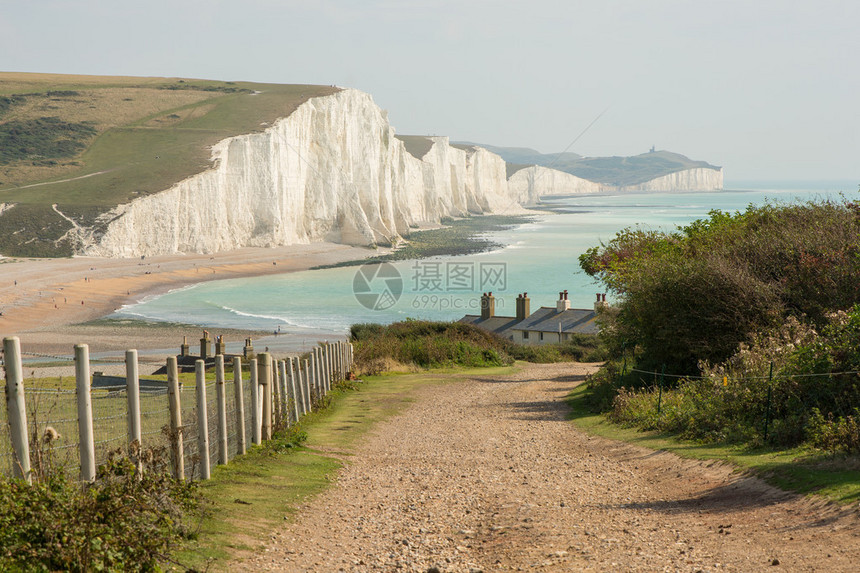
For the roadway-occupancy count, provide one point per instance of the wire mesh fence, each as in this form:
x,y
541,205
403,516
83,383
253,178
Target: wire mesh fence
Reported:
x,y
52,412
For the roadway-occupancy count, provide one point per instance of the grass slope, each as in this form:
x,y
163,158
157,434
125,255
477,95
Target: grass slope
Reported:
x,y
102,141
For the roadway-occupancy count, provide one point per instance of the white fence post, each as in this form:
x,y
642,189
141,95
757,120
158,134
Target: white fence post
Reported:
x,y
177,446
221,403
256,406
202,419
132,384
240,404
85,413
16,407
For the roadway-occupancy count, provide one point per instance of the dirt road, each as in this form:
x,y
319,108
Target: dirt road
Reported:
x,y
487,475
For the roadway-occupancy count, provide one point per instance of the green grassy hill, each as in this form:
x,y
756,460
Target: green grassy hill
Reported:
x,y
89,143
616,171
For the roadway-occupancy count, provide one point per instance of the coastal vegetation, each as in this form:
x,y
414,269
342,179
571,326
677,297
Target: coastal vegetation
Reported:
x,y
741,328
127,520
414,344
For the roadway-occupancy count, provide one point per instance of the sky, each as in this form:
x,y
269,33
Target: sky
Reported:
x,y
767,89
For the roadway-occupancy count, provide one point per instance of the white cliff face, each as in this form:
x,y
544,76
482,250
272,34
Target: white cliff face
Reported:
x,y
531,183
699,179
332,170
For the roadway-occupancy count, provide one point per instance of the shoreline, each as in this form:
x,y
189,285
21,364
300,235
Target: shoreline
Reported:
x,y
47,302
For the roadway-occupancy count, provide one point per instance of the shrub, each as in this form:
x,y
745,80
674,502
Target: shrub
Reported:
x,y
696,294
426,345
45,137
126,520
812,395
835,435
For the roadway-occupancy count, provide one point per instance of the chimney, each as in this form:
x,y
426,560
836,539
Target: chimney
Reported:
x,y
488,306
563,304
523,310
600,303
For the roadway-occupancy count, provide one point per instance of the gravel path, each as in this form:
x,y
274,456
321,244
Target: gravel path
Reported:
x,y
486,475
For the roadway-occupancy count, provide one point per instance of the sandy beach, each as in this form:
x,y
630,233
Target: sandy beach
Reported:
x,y
44,301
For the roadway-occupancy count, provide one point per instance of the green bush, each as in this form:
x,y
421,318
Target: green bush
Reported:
x,y
124,521
42,138
835,435
800,383
437,344
696,294
427,345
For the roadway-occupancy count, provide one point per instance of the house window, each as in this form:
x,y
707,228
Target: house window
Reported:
x,y
541,335
525,335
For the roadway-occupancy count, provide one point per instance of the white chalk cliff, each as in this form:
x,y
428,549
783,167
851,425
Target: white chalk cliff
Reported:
x,y
698,179
332,170
531,183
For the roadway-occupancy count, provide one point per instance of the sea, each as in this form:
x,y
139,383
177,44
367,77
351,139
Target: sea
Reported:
x,y
540,257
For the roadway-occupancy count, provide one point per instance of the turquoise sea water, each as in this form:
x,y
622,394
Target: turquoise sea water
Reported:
x,y
540,258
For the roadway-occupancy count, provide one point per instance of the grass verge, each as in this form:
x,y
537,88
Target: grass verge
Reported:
x,y
802,470
256,493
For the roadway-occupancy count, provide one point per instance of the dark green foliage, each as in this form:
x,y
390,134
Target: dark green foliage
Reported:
x,y
43,138
697,293
722,302
813,394
125,521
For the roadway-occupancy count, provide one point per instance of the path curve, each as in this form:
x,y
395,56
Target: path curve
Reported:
x,y
487,475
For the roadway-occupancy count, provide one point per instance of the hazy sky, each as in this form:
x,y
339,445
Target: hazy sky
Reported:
x,y
769,89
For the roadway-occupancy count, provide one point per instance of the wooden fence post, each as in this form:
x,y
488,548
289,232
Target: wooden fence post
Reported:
x,y
274,401
132,384
202,419
240,404
285,396
301,379
307,385
315,380
85,413
293,390
326,359
256,406
275,391
16,407
177,446
221,403
319,365
264,368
